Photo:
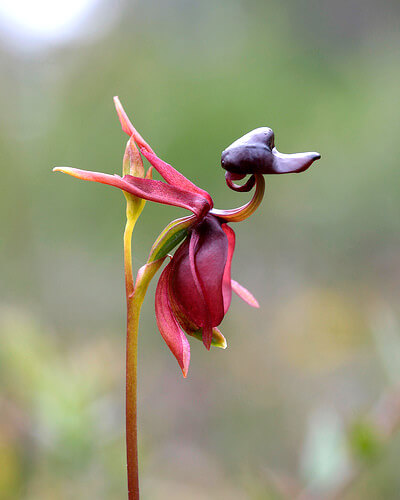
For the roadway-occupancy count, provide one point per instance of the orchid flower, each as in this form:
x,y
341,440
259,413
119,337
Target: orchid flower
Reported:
x,y
194,290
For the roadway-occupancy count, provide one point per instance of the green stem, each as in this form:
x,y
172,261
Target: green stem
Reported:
x,y
133,312
135,293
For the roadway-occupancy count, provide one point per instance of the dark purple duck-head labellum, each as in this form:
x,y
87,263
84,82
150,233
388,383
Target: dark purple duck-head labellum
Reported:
x,y
255,153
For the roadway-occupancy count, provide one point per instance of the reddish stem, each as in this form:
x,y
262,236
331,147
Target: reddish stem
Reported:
x,y
131,400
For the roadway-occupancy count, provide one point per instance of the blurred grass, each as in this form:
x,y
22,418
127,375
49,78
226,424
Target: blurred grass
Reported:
x,y
322,254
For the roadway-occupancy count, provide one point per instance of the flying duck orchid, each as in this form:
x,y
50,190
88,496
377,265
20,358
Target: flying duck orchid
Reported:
x,y
195,288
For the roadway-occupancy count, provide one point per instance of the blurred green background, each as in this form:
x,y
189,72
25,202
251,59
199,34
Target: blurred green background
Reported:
x,y
287,405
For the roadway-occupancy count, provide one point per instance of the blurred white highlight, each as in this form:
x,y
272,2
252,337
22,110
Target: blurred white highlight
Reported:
x,y
44,19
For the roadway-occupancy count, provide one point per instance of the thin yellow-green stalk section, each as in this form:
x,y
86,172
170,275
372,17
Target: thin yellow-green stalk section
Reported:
x,y
131,356
135,293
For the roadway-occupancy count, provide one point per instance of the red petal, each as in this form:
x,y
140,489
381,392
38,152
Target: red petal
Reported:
x,y
210,261
167,194
207,336
184,293
127,126
244,294
196,280
206,322
167,324
226,282
147,189
172,176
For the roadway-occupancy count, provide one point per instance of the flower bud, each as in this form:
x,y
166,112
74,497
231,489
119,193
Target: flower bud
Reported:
x,y
132,163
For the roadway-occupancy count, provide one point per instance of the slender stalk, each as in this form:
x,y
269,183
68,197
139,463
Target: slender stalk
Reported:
x,y
133,312
135,293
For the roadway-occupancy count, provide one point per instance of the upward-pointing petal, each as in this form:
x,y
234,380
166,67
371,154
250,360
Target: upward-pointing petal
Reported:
x,y
127,126
172,176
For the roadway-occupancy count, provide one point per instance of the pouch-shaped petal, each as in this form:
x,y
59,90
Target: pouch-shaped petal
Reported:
x,y
226,282
187,301
168,325
197,275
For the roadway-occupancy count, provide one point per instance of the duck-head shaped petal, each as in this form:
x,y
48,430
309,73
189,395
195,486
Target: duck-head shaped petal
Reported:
x,y
255,153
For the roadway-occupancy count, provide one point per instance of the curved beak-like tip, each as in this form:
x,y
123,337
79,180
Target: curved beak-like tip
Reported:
x,y
65,170
293,163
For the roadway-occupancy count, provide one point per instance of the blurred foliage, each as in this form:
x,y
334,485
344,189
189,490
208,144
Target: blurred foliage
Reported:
x,y
322,255
365,441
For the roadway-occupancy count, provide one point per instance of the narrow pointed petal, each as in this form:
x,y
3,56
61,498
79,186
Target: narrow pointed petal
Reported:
x,y
168,326
207,336
147,189
218,340
127,126
244,294
170,237
226,281
172,176
292,163
243,212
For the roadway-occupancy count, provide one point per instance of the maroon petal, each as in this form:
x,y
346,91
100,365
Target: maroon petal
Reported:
x,y
172,176
168,325
196,280
169,173
185,295
226,282
147,189
207,320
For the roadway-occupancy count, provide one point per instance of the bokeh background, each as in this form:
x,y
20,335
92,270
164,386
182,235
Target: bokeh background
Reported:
x,y
291,409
